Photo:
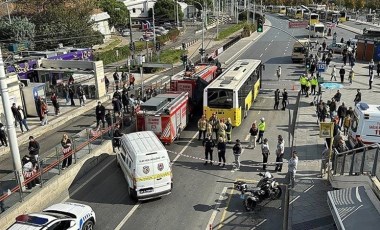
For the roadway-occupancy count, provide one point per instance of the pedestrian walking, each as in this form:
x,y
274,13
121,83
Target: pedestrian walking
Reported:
x,y
54,101
378,69
342,111
117,105
237,150
342,72
346,124
208,145
124,78
131,81
358,97
116,79
279,153
332,108
21,118
278,72
117,134
292,169
125,101
100,113
66,150
202,126
337,96
371,65
370,79
108,118
253,131
82,97
14,112
34,148
351,76
265,152
344,59
44,113
328,60
324,45
2,206
314,83
262,127
229,130
276,99
107,83
71,95
221,152
322,111
284,99
214,123
3,135
333,73
66,93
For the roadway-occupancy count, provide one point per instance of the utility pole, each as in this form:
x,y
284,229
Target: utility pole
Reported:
x,y
217,20
203,27
9,14
15,152
254,11
248,9
177,14
237,12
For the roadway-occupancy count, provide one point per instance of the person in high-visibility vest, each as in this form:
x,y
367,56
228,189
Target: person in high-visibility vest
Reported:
x,y
303,81
308,85
262,126
314,83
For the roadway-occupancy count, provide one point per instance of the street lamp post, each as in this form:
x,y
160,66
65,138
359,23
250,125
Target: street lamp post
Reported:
x,y
203,28
217,20
15,152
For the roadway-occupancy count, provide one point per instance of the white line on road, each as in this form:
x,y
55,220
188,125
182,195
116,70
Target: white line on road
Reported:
x,y
118,227
261,55
271,41
262,222
285,53
216,210
184,148
294,199
266,48
309,188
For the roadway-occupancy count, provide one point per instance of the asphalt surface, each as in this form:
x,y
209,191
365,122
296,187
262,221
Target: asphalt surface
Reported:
x,y
198,189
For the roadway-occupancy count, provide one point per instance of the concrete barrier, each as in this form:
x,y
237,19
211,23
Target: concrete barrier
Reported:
x,y
56,187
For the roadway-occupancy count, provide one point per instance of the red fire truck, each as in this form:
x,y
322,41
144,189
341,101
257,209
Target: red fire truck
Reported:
x,y
165,114
194,81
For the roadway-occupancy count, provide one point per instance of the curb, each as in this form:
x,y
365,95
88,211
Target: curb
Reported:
x,y
187,44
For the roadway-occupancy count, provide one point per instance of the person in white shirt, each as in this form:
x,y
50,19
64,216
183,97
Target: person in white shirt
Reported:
x,y
333,73
279,153
292,169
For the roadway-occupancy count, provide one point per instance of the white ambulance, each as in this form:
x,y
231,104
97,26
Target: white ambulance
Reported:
x,y
365,125
146,165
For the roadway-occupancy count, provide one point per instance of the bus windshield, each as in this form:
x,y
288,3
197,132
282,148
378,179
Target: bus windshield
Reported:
x,y
319,29
299,49
219,98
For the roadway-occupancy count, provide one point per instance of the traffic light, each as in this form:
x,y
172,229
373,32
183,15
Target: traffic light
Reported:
x,y
132,46
202,51
260,25
158,46
307,61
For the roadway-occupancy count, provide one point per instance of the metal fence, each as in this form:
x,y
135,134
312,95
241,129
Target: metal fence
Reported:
x,y
83,143
364,160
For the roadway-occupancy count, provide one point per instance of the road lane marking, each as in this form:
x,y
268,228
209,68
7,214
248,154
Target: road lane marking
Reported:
x,y
225,209
184,148
271,41
309,188
285,53
216,210
294,199
266,48
118,227
261,55
90,179
262,222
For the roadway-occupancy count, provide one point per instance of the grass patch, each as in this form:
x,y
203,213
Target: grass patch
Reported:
x,y
169,56
112,45
229,30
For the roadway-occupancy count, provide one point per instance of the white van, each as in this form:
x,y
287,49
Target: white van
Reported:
x,y
146,165
365,125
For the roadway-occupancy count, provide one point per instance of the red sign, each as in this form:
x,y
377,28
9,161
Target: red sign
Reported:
x,y
298,24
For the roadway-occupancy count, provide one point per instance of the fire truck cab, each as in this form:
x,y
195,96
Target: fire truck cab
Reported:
x,y
194,80
365,125
165,114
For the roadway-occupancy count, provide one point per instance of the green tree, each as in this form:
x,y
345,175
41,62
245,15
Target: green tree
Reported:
x,y
359,4
165,10
117,10
372,4
349,4
209,3
20,30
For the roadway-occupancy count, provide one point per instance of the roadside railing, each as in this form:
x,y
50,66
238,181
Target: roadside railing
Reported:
x,y
83,143
363,160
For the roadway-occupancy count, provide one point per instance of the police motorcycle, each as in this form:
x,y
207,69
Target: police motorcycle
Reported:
x,y
266,189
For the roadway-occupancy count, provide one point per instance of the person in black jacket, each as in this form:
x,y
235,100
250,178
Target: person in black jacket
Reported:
x,y
209,145
34,148
100,113
117,105
14,112
284,99
3,135
71,95
276,99
125,101
237,150
117,134
222,151
342,72
21,118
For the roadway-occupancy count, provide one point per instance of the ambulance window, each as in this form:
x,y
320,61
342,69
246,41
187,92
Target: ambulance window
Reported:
x,y
130,164
354,124
122,154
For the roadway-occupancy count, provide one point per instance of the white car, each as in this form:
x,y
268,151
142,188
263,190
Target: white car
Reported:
x,y
338,47
60,216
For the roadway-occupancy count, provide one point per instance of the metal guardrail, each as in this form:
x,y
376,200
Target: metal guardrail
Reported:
x,y
83,143
363,160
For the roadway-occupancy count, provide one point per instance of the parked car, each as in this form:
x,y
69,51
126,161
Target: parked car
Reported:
x,y
126,33
161,30
338,47
58,216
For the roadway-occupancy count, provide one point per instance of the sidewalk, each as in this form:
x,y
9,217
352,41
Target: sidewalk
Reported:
x,y
308,200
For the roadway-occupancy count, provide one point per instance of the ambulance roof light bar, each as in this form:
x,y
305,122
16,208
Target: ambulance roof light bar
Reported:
x,y
363,106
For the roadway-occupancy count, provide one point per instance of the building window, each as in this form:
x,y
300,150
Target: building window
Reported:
x,y
134,10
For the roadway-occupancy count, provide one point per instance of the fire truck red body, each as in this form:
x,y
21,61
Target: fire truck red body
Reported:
x,y
194,81
165,114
